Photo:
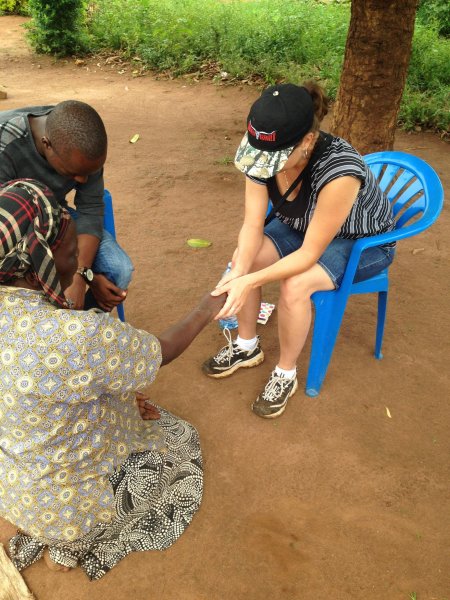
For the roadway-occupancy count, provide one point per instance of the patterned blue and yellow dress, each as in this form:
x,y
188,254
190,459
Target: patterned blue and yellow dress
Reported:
x,y
80,472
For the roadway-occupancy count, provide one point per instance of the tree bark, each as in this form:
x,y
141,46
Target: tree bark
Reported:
x,y
374,73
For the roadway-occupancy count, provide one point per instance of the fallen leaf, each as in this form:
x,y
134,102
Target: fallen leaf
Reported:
x,y
388,412
198,243
134,139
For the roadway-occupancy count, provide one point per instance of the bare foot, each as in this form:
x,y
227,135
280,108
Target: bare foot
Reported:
x,y
146,409
52,565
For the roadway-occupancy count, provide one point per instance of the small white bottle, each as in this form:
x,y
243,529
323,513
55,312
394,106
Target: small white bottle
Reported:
x,y
229,322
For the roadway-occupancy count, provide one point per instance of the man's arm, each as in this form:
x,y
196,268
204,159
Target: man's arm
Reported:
x,y
90,209
90,206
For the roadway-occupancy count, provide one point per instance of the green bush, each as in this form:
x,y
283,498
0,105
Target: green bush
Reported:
x,y
270,38
14,7
58,27
276,40
426,99
435,13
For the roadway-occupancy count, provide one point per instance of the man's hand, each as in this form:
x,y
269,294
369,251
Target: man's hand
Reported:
x,y
107,295
146,408
76,292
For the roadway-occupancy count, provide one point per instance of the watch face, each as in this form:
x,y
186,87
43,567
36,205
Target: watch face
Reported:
x,y
87,274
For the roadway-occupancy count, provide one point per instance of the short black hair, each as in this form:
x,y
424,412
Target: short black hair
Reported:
x,y
74,125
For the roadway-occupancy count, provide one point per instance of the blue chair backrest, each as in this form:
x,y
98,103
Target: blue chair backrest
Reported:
x,y
412,187
108,224
108,218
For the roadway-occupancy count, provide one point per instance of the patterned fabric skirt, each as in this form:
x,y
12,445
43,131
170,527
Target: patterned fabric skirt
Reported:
x,y
156,496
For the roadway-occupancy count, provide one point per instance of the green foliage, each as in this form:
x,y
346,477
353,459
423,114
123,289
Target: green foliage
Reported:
x,y
14,7
426,100
58,27
435,13
267,37
277,40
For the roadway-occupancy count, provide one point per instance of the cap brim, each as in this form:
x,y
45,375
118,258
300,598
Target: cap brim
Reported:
x,y
260,163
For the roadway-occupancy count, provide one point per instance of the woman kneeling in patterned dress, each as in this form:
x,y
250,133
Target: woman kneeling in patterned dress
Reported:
x,y
85,475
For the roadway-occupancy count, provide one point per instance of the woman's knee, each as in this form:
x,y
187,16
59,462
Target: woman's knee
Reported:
x,y
295,290
300,288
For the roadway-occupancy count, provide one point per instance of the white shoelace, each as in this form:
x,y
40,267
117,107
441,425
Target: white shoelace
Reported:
x,y
271,391
227,351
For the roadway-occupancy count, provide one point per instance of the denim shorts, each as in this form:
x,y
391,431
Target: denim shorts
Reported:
x,y
335,258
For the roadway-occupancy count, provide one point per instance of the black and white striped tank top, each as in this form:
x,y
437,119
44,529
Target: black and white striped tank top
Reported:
x,y
334,157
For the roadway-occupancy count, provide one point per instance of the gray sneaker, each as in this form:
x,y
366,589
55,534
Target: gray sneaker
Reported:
x,y
232,357
272,401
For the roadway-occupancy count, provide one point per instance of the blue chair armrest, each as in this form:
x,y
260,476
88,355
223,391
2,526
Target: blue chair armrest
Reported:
x,y
377,240
358,247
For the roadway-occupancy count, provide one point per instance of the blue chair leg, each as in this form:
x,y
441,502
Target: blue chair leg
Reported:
x,y
329,309
382,305
109,225
121,313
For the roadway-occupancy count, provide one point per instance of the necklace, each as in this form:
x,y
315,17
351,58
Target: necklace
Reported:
x,y
289,183
286,180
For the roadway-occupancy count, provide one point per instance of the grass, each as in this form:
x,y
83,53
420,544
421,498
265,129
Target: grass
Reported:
x,y
267,41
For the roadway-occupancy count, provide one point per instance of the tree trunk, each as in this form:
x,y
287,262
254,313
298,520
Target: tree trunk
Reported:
x,y
373,77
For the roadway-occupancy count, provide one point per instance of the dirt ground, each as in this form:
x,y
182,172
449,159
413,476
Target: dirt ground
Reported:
x,y
334,499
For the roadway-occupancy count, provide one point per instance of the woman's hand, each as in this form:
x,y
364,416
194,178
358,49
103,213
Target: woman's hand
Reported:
x,y
237,291
233,274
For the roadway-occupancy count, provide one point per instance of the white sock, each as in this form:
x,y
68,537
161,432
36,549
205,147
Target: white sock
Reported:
x,y
247,345
283,373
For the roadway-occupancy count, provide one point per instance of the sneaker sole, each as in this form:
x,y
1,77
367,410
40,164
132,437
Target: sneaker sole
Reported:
x,y
254,362
282,408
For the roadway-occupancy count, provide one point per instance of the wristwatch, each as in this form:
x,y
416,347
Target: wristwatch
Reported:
x,y
86,273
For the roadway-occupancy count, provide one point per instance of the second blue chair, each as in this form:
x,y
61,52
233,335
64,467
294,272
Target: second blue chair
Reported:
x,y
416,195
108,224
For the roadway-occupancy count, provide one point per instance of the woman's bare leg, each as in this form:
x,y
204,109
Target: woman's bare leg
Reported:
x,y
248,315
294,312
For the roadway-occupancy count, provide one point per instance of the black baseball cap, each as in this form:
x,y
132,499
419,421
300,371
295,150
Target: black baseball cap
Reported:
x,y
277,121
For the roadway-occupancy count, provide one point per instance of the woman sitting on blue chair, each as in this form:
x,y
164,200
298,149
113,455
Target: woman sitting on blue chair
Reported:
x,y
325,197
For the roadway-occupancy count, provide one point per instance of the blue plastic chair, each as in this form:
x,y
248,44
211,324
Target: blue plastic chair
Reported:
x,y
413,188
108,224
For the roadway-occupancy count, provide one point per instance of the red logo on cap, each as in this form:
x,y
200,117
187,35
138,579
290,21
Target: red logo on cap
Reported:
x,y
262,135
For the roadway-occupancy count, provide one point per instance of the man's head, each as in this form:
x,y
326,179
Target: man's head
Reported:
x,y
75,141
